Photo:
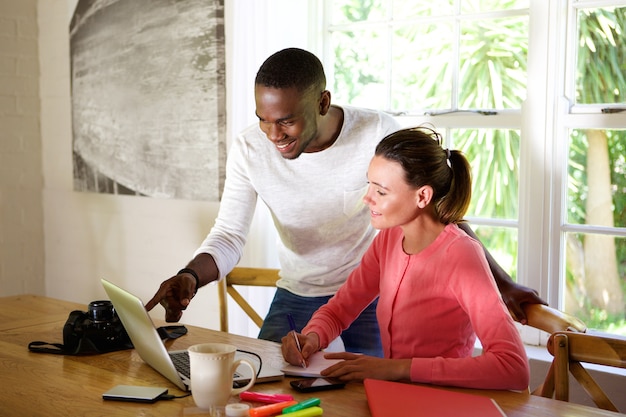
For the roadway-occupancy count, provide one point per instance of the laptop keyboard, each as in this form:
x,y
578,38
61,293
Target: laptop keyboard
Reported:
x,y
181,363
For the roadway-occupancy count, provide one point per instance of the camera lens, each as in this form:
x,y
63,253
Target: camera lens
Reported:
x,y
101,311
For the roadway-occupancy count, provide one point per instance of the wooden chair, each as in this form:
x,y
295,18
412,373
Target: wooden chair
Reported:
x,y
551,320
570,350
259,277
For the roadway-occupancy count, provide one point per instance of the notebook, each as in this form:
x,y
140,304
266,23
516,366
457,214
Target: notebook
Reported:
x,y
316,364
386,398
172,365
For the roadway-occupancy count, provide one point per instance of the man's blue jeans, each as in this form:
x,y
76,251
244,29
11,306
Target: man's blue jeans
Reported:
x,y
362,336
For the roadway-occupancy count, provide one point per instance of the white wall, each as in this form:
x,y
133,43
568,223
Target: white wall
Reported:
x,y
138,242
21,212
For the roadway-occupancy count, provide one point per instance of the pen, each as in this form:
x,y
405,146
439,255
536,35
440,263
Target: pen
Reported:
x,y
292,324
264,398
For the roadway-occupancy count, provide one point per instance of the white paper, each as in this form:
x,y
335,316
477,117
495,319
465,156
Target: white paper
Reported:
x,y
316,364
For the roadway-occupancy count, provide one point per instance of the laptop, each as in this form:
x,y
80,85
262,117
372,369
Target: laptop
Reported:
x,y
398,399
172,365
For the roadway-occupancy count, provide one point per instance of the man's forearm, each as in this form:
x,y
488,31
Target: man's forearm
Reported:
x,y
500,275
204,265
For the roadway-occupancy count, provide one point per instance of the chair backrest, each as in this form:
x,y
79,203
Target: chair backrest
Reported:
x,y
259,277
551,320
570,351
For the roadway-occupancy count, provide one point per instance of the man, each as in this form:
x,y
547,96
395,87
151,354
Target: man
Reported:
x,y
307,161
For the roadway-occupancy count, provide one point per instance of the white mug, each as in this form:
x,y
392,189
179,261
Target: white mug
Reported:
x,y
212,366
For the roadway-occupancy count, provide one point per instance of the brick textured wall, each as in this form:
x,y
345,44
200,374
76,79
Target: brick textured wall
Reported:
x,y
21,178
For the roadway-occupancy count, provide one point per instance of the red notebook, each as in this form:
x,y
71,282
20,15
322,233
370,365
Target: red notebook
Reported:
x,y
396,399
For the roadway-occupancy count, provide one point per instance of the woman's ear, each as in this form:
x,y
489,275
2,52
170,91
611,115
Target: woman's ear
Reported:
x,y
423,196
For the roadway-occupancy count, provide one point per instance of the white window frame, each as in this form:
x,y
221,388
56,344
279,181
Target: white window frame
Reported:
x,y
546,113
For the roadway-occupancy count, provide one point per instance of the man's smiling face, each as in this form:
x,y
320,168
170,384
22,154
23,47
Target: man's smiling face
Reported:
x,y
288,118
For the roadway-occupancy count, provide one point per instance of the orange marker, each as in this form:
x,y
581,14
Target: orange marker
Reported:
x,y
270,409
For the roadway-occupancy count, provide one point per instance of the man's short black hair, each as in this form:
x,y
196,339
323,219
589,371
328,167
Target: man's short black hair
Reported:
x,y
292,67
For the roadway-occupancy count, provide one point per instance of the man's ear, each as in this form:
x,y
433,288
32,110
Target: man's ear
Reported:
x,y
324,102
423,196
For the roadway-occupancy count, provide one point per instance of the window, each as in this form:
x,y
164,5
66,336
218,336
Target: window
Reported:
x,y
594,133
531,91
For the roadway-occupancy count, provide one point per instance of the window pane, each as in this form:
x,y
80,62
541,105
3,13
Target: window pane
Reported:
x,y
601,60
360,62
406,9
501,242
472,6
423,65
595,286
350,11
597,178
494,157
493,63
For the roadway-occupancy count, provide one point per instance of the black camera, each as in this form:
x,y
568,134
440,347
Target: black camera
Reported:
x,y
98,330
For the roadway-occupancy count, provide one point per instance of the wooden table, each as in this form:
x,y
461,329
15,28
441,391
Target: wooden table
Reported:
x,y
34,384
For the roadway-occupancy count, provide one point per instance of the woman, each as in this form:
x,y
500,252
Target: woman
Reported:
x,y
436,292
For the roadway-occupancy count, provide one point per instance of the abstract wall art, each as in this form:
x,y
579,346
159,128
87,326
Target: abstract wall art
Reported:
x,y
148,97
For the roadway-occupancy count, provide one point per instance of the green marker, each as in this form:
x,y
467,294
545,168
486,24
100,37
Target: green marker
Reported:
x,y
302,405
306,412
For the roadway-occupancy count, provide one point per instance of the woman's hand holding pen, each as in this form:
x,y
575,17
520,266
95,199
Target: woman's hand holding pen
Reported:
x,y
309,344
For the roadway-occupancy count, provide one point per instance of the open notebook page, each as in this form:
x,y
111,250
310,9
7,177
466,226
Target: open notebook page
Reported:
x,y
317,363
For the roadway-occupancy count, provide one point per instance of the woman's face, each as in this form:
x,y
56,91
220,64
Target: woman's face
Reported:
x,y
392,202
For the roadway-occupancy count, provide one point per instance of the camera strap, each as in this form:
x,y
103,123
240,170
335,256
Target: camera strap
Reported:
x,y
46,347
